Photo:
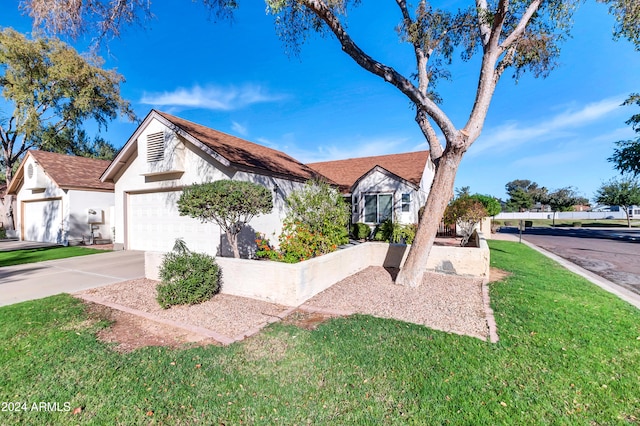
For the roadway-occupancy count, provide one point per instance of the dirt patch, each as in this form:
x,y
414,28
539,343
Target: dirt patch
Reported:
x,y
496,274
307,320
132,332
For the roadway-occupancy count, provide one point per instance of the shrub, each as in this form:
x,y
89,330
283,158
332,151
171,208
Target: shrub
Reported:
x,y
187,278
3,234
360,231
528,223
577,224
229,203
391,232
466,212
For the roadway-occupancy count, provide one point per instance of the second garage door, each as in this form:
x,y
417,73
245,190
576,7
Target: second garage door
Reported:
x,y
154,223
42,221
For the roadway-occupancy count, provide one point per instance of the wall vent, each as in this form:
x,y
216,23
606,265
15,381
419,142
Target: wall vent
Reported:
x,y
155,147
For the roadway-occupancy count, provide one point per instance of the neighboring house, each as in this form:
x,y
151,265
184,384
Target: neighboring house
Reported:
x,y
166,154
382,187
60,198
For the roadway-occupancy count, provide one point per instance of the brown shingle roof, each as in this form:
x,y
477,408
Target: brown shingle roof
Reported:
x,y
243,153
345,173
69,171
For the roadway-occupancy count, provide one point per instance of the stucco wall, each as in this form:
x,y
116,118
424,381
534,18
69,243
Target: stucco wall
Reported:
x,y
197,167
293,284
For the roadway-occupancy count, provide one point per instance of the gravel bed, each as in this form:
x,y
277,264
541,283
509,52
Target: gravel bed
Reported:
x,y
228,315
443,302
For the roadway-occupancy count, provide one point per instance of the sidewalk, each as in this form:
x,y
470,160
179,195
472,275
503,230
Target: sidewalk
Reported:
x,y
611,287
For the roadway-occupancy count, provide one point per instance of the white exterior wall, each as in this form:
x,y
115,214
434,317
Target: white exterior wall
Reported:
x,y
73,203
378,182
196,167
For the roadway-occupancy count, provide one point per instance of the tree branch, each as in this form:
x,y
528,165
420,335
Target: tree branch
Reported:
x,y
390,75
522,25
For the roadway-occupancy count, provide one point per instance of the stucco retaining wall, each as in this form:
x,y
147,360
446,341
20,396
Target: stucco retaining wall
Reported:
x,y
293,284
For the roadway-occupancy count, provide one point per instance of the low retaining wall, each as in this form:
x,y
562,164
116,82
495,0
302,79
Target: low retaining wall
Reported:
x,y
293,284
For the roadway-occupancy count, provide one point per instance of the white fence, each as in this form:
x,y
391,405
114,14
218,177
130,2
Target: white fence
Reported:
x,y
561,215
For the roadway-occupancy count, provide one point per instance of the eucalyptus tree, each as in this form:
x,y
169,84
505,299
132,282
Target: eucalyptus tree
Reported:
x,y
51,89
509,36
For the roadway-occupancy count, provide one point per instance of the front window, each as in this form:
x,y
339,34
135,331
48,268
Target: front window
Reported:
x,y
377,207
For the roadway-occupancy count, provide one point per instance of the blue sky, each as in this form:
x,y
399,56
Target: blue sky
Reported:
x,y
237,78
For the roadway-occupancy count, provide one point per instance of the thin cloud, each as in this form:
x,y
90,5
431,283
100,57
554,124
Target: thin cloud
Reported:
x,y
239,128
513,134
212,97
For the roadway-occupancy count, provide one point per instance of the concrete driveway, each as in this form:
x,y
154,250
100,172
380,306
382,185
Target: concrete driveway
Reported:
x,y
37,280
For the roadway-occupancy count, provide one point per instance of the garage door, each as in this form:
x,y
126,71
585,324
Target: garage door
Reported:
x,y
42,221
153,224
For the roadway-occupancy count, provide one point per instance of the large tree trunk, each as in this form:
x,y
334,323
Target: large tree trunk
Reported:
x,y
232,239
439,196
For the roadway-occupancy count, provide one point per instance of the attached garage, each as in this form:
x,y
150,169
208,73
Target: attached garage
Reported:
x,y
154,223
42,220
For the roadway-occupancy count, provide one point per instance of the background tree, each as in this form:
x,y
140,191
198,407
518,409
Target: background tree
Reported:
x,y
516,35
523,193
619,192
465,212
73,141
52,89
563,200
490,203
229,203
626,157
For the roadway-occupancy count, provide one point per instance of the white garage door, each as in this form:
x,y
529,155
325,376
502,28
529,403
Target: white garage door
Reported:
x,y
42,221
153,224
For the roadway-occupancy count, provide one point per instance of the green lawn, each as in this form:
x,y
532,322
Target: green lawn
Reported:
x,y
569,353
18,257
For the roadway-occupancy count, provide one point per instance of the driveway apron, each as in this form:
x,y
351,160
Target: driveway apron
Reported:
x,y
37,280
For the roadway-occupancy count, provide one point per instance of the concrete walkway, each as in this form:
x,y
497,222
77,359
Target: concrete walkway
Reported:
x,y
37,280
611,287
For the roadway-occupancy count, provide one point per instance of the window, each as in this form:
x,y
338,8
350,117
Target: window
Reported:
x,y
155,147
406,202
377,207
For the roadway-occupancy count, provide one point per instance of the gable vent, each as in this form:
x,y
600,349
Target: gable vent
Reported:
x,y
155,147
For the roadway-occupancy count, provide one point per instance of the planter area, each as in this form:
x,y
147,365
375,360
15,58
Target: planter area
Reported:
x,y
293,284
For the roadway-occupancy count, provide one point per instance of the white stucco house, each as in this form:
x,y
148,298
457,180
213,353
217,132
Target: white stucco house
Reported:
x,y
164,155
61,199
382,187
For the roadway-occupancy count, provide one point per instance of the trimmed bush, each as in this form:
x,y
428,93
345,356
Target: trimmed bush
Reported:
x,y
360,231
577,224
187,279
528,224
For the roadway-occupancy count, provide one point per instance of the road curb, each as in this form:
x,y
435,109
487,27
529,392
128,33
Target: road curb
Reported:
x,y
603,283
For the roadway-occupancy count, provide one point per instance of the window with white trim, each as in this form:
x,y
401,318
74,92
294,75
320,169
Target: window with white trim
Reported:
x,y
377,207
406,202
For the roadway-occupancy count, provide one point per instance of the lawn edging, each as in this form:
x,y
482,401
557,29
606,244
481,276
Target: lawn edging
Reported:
x,y
293,284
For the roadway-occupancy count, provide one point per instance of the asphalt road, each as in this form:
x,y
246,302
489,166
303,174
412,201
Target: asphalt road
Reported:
x,y
612,253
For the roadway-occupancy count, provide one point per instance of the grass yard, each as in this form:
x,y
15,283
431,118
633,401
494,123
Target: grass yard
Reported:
x,y
569,353
18,257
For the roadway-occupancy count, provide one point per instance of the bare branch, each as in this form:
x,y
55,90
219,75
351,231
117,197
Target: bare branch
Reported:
x,y
388,73
435,147
522,25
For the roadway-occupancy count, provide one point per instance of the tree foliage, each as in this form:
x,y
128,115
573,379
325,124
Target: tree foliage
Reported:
x,y
563,200
626,157
229,203
465,212
490,203
52,89
523,193
627,14
619,192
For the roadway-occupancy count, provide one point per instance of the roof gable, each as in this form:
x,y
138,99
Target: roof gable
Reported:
x,y
228,149
66,171
408,166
